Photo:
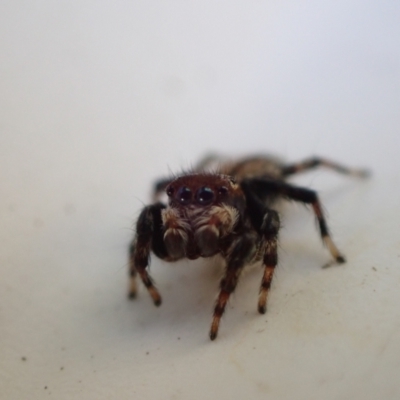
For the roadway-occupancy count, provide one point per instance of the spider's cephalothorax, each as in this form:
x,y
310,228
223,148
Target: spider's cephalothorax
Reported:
x,y
227,213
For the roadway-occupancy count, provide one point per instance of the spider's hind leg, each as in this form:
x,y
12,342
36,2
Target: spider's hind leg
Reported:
x,y
308,196
315,162
263,188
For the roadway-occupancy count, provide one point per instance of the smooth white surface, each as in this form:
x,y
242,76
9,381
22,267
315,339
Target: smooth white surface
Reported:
x,y
97,100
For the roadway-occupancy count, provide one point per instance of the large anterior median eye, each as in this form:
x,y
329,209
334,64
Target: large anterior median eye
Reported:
x,y
184,195
204,196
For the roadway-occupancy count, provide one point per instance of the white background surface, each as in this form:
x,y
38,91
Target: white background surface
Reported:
x,y
97,100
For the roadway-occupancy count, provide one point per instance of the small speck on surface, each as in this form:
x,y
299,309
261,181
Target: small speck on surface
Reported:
x,y
374,269
45,388
147,353
23,358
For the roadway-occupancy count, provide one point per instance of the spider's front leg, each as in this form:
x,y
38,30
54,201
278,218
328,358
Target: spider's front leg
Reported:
x,y
267,224
149,236
240,252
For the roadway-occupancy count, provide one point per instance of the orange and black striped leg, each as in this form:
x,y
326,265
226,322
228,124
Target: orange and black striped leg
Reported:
x,y
326,237
315,162
270,230
269,262
239,255
310,197
263,187
137,265
148,282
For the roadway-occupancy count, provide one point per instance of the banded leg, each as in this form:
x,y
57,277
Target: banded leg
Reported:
x,y
267,224
270,228
315,162
148,237
264,188
310,197
326,237
239,255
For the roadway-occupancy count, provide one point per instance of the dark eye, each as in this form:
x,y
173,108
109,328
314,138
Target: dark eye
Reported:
x,y
184,195
222,190
170,191
205,196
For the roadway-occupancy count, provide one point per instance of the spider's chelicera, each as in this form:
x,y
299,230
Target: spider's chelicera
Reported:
x,y
227,213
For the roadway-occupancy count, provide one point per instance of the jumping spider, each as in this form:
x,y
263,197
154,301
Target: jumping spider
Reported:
x,y
227,213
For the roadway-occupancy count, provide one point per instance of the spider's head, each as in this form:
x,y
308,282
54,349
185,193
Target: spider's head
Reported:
x,y
202,208
201,190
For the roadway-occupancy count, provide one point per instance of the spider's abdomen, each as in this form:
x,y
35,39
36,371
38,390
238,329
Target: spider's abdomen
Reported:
x,y
262,166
